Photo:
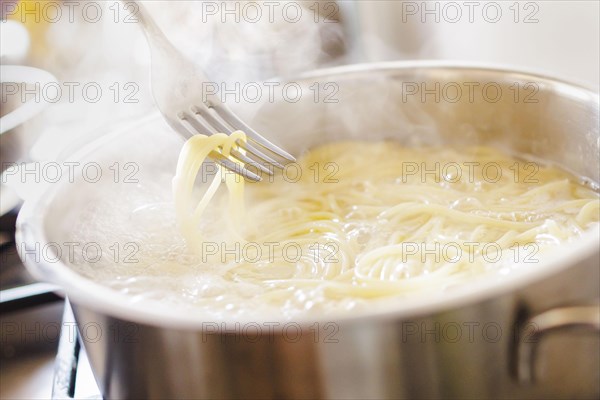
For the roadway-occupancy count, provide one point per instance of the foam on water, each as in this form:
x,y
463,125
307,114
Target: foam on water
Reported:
x,y
145,256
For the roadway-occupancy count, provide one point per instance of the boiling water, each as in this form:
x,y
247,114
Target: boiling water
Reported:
x,y
350,225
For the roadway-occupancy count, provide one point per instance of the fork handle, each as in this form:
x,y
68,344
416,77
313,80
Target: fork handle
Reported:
x,y
151,29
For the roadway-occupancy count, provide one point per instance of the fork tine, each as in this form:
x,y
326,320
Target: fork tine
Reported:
x,y
196,124
235,167
209,119
193,124
250,148
238,124
205,117
247,160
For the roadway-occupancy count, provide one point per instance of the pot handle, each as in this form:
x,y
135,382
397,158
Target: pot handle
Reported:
x,y
538,327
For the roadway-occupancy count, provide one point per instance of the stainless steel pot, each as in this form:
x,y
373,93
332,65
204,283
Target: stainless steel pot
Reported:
x,y
529,335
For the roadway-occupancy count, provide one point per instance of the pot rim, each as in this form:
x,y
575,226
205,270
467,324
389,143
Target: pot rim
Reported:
x,y
86,293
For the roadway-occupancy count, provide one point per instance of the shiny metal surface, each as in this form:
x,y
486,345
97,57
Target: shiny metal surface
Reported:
x,y
464,345
179,90
586,318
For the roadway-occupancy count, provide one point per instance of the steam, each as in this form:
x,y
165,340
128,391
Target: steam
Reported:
x,y
248,41
111,52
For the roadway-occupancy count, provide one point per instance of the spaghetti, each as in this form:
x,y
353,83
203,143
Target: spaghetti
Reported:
x,y
359,220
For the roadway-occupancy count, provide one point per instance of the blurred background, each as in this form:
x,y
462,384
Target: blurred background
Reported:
x,y
72,69
100,59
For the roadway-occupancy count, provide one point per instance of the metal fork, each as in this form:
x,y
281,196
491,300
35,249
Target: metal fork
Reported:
x,y
177,85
